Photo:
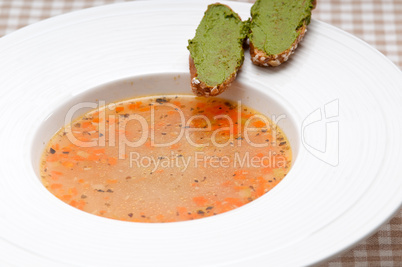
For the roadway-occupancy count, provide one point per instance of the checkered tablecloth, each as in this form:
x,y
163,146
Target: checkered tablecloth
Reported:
x,y
378,22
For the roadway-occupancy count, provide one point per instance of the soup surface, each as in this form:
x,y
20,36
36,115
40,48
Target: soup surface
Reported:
x,y
165,158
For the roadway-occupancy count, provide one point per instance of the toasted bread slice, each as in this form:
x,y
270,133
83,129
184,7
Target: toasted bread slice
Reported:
x,y
216,51
276,28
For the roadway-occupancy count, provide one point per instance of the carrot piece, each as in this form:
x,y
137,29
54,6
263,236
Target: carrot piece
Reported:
x,y
63,156
175,146
181,210
73,203
215,127
112,161
96,120
259,124
201,105
177,103
145,109
111,181
262,183
224,132
260,191
86,124
183,214
119,109
81,204
68,164
241,172
135,105
244,115
55,146
233,114
66,197
200,201
56,186
84,139
93,157
159,217
52,158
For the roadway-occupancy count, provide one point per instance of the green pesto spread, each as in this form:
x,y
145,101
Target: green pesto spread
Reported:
x,y
274,23
217,48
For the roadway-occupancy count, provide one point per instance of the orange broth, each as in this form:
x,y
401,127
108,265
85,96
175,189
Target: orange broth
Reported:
x,y
165,159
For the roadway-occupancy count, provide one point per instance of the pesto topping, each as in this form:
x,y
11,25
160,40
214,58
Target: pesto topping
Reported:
x,y
275,23
217,48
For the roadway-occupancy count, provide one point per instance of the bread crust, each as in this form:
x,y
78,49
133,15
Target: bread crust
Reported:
x,y
202,89
260,58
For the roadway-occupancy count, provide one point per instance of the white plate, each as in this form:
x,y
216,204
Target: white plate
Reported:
x,y
322,207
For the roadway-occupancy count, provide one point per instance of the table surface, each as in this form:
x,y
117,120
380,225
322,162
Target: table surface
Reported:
x,y
378,22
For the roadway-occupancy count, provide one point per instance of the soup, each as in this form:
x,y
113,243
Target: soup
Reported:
x,y
165,158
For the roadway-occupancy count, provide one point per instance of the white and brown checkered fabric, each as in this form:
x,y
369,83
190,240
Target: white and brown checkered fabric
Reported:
x,y
378,22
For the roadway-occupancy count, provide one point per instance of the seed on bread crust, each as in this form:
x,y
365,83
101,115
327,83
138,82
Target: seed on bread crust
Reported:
x,y
276,29
216,51
260,58
199,88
